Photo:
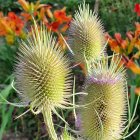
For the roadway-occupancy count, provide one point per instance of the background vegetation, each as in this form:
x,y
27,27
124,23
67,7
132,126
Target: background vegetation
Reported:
x,y
116,15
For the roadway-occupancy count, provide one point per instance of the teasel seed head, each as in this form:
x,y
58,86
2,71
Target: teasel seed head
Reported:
x,y
105,112
86,35
42,71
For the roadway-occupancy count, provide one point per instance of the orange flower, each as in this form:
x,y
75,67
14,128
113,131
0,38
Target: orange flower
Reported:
x,y
130,35
137,32
48,11
60,15
37,5
42,15
131,65
53,26
137,44
5,26
15,23
118,37
112,43
114,46
64,28
30,7
24,4
122,43
2,31
11,26
26,16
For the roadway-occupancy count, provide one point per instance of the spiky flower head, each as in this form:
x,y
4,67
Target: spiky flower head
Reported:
x,y
105,113
42,72
86,35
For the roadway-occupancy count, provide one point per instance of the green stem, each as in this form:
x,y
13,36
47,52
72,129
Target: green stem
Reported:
x,y
47,115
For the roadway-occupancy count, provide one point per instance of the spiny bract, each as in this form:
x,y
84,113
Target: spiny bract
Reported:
x,y
86,35
43,76
105,114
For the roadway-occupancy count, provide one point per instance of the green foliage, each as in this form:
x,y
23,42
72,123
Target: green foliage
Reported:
x,y
117,16
7,5
5,110
70,4
6,60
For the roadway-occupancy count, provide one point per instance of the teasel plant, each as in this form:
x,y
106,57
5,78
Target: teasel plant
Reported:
x,y
43,76
86,36
106,110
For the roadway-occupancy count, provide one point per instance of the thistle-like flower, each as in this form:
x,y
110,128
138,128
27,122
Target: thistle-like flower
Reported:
x,y
86,35
105,112
43,76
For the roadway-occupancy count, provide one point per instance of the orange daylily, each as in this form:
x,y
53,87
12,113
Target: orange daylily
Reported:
x,y
130,35
16,21
5,26
26,16
2,30
48,11
53,26
11,26
24,4
125,47
64,28
60,15
131,65
30,7
42,14
118,37
122,43
112,43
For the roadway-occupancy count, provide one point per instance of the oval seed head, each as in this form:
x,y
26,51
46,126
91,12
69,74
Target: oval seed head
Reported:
x,y
86,35
43,76
105,114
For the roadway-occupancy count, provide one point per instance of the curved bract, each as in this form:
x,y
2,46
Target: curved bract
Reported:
x,y
86,35
105,113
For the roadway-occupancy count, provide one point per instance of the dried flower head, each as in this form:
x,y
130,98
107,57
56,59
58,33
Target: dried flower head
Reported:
x,y
86,35
43,76
105,113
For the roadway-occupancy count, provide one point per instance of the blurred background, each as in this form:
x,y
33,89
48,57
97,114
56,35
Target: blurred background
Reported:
x,y
121,21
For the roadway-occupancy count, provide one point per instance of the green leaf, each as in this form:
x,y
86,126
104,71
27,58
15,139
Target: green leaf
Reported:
x,y
5,110
132,98
6,92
